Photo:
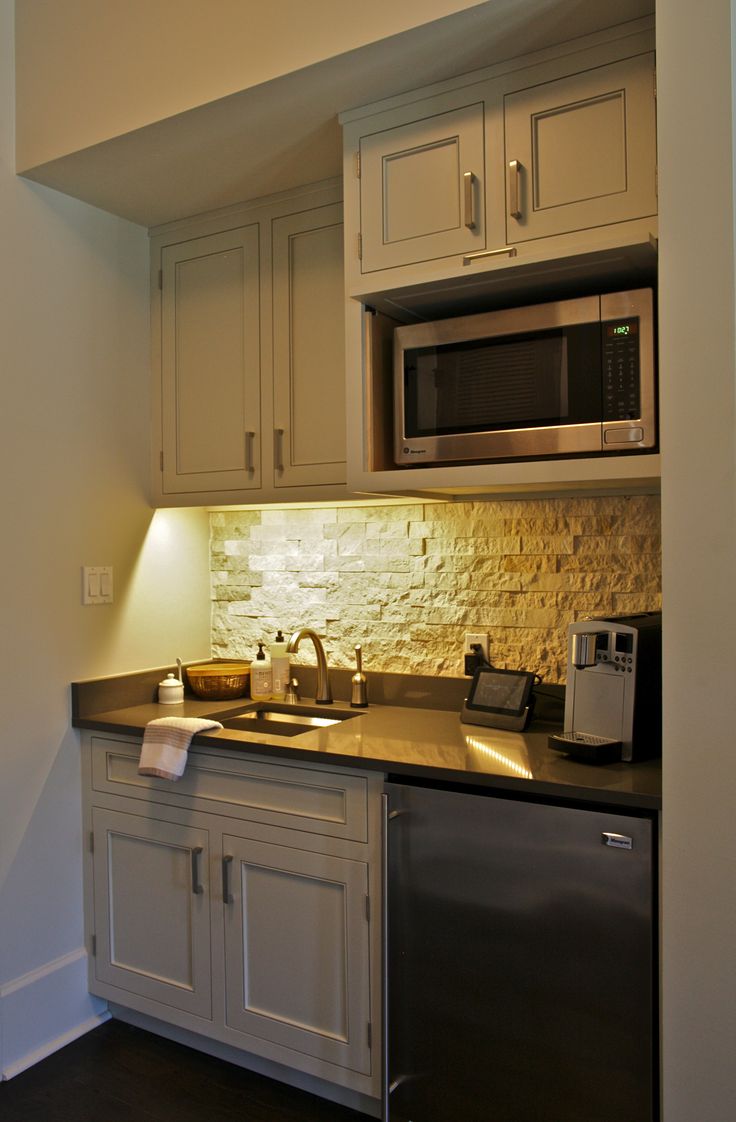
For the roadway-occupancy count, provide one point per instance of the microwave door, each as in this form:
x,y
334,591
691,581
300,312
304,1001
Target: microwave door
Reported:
x,y
502,397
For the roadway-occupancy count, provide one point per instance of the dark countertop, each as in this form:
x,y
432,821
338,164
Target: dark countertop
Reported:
x,y
407,740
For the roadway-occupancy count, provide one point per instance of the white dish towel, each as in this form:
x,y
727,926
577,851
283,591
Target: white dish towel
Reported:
x,y
166,743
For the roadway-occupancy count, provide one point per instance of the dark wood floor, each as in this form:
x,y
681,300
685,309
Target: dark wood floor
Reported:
x,y
119,1073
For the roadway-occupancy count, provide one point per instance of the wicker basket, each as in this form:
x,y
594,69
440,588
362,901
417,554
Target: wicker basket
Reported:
x,y
218,681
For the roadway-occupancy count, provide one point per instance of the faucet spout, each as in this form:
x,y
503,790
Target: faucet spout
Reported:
x,y
324,693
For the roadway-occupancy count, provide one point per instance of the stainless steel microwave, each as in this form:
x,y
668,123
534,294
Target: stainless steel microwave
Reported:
x,y
559,379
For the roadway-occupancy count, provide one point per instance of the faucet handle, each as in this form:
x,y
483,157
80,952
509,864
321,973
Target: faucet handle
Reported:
x,y
291,696
359,691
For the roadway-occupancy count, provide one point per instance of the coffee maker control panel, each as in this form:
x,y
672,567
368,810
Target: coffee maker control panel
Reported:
x,y
614,650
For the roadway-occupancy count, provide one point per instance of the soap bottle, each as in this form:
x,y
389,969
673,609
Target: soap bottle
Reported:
x,y
261,686
280,667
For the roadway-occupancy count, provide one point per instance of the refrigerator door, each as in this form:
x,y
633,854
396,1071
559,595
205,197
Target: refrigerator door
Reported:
x,y
520,961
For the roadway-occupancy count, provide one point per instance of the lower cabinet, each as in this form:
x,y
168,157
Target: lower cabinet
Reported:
x,y
296,950
247,921
152,909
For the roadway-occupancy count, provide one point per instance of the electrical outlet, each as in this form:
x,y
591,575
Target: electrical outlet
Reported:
x,y
476,638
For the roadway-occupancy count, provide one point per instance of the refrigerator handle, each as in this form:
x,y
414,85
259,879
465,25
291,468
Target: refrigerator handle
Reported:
x,y
386,1086
384,960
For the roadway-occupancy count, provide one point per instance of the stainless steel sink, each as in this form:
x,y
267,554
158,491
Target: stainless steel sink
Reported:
x,y
283,720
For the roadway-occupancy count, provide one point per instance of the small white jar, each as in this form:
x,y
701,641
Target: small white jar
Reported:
x,y
170,691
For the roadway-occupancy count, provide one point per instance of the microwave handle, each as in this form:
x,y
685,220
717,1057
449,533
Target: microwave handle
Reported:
x,y
514,192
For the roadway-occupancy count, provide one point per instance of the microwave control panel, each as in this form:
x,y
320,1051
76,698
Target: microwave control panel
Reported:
x,y
621,400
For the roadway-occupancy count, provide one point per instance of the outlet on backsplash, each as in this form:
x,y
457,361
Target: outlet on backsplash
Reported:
x,y
473,641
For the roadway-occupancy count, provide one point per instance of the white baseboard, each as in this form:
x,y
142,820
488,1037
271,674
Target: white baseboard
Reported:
x,y
45,1009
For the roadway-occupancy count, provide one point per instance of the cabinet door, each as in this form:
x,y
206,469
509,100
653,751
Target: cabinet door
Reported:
x,y
151,909
211,363
581,151
309,348
296,950
423,190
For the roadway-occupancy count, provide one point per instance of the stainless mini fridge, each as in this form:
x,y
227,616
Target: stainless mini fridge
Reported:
x,y
520,960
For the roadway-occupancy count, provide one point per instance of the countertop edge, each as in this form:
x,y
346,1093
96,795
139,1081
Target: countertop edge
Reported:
x,y
526,787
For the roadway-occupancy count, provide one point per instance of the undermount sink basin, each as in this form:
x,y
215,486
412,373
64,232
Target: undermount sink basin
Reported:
x,y
283,720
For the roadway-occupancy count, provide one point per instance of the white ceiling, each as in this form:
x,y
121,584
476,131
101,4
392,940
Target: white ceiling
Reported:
x,y
285,133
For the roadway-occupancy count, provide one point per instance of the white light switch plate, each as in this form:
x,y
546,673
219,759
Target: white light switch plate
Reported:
x,y
97,584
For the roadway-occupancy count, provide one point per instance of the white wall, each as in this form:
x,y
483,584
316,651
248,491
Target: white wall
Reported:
x,y
699,556
73,463
154,60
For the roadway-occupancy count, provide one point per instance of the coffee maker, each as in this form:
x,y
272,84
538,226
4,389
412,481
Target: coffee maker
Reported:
x,y
613,697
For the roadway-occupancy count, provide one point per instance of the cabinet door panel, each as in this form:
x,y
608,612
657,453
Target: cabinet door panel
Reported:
x,y
152,927
211,363
413,198
296,951
309,348
586,149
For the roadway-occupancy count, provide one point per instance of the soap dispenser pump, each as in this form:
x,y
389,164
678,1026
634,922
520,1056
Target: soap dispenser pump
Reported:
x,y
280,666
261,684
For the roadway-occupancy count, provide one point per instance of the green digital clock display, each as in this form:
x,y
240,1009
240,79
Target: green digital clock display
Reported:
x,y
621,330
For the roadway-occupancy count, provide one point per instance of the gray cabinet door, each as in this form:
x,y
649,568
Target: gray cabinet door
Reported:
x,y
152,910
210,355
308,348
297,950
422,192
581,151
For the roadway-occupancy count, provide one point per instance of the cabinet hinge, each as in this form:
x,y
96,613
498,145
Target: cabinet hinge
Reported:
x,y
161,460
367,906
93,946
161,279
369,1034
356,160
91,841
360,247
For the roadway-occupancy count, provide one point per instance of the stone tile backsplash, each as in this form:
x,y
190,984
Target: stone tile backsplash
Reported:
x,y
407,582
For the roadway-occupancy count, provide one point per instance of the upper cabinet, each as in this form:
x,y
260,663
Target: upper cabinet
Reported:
x,y
422,189
531,180
210,387
249,354
308,348
580,151
536,160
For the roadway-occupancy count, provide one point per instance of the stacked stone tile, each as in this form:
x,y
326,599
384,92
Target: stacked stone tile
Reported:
x,y
407,581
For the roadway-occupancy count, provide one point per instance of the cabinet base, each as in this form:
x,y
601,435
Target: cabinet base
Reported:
x,y
315,1086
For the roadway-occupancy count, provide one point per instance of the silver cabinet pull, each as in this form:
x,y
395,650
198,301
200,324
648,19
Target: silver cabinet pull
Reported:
x,y
505,250
250,466
227,895
469,199
278,449
197,886
514,193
